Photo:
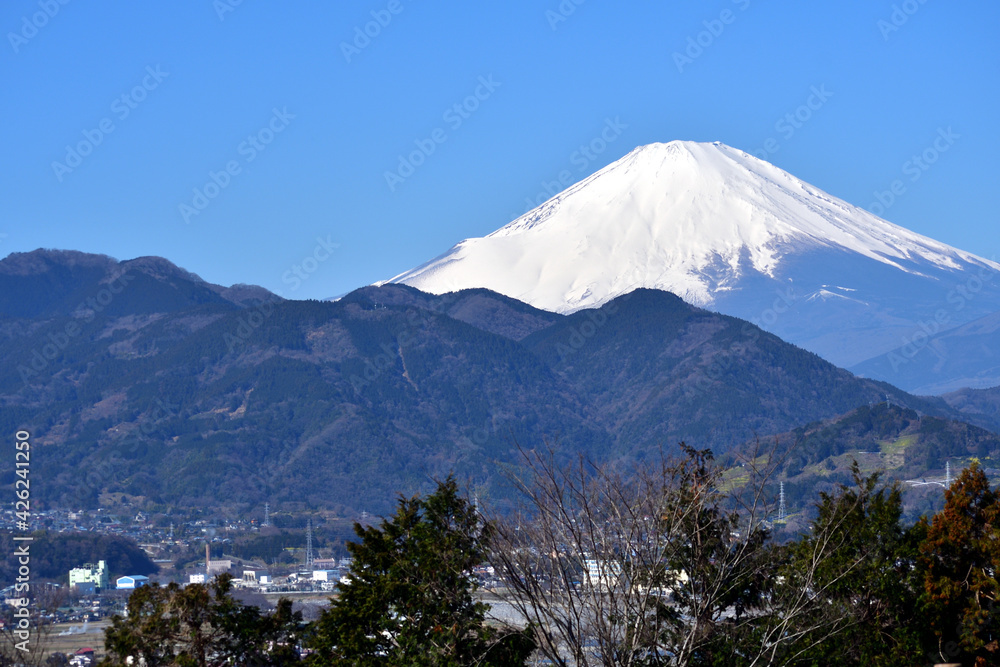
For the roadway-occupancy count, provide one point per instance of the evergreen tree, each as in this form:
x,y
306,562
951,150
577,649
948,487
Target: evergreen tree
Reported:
x,y
866,573
727,567
960,558
409,596
200,625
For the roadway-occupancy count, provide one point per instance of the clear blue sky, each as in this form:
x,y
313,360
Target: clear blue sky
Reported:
x,y
199,79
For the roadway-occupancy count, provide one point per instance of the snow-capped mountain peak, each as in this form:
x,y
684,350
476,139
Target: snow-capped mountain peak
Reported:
x,y
691,218
724,230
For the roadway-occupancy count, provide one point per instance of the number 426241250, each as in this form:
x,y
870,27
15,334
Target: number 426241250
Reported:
x,y
22,486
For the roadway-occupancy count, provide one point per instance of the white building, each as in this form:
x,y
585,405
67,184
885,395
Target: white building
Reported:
x,y
254,578
90,574
602,573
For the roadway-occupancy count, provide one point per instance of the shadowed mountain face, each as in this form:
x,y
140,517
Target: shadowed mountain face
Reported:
x,y
660,370
170,392
52,283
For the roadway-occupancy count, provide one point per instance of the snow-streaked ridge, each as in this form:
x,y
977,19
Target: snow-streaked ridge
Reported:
x,y
691,218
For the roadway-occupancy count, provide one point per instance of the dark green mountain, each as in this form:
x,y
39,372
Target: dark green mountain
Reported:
x,y
177,392
659,370
54,283
897,440
53,555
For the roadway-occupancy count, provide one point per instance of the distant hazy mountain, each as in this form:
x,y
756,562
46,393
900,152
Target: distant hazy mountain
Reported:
x,y
977,404
170,393
967,356
729,232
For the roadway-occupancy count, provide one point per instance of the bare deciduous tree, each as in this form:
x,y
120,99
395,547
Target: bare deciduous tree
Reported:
x,y
664,565
25,636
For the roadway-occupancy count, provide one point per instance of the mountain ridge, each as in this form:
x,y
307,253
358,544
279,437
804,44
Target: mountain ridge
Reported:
x,y
939,362
47,282
727,231
343,405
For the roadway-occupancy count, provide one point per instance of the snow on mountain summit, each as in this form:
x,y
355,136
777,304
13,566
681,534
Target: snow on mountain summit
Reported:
x,y
696,219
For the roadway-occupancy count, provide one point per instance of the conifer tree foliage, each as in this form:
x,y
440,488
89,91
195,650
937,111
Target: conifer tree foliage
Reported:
x,y
960,557
200,625
727,565
409,598
863,561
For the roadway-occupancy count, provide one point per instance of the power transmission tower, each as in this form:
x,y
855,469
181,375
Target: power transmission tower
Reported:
x,y
267,514
781,502
309,543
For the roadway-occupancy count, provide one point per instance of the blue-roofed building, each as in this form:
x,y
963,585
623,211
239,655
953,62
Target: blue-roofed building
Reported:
x,y
131,582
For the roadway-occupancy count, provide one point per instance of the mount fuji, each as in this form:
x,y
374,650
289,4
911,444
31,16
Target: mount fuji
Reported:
x,y
732,233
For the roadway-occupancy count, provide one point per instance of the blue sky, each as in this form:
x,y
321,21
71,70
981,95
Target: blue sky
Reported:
x,y
241,141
